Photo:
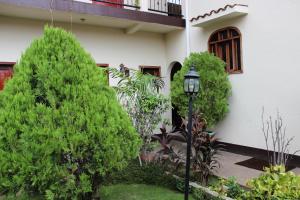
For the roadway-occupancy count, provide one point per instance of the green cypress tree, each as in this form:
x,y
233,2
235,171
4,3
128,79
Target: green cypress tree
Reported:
x,y
61,126
212,101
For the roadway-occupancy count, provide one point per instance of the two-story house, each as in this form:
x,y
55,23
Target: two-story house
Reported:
x,y
257,39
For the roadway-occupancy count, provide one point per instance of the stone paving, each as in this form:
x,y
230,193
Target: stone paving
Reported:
x,y
243,174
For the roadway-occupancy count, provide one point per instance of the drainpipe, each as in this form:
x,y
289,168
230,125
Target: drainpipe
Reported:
x,y
187,29
144,5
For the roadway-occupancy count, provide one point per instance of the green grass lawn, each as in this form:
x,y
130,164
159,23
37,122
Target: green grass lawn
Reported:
x,y
139,192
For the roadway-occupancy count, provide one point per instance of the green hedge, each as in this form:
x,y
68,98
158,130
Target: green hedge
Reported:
x,y
61,126
215,90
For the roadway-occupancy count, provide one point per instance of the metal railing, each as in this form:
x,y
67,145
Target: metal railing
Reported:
x,y
169,7
119,3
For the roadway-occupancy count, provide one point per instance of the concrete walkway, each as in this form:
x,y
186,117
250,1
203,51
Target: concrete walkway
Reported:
x,y
243,174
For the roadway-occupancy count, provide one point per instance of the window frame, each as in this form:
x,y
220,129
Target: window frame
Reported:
x,y
232,38
142,67
7,65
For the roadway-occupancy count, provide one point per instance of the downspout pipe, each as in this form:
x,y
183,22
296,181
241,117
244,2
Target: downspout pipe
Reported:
x,y
187,29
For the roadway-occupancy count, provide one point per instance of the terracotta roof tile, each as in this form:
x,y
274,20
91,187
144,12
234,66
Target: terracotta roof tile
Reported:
x,y
216,11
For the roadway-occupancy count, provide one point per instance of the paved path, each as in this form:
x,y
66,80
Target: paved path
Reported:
x,y
243,174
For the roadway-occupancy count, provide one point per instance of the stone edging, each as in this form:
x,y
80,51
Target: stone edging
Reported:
x,y
205,189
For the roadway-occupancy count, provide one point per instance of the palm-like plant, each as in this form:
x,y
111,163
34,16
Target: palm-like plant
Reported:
x,y
140,97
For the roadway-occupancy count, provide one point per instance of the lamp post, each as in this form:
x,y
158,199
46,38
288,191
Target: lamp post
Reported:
x,y
191,88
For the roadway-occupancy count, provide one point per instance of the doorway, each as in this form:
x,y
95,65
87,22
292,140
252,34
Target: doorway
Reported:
x,y
176,118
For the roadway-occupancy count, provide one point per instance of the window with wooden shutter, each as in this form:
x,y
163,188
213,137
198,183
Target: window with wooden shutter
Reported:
x,y
226,44
6,72
152,70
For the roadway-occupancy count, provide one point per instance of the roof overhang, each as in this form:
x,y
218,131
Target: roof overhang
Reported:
x,y
219,15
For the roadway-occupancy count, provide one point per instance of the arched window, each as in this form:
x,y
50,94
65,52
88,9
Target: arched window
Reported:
x,y
226,44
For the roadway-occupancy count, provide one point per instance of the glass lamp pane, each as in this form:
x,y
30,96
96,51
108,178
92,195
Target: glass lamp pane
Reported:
x,y
197,85
186,85
191,85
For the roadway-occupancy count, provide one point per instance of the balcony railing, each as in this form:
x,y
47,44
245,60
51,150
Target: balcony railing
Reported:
x,y
169,7
166,7
119,3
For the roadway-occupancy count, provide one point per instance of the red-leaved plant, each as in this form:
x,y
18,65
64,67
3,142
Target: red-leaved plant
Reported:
x,y
204,148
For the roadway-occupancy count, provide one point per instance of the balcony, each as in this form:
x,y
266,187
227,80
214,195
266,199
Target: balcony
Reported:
x,y
169,7
161,16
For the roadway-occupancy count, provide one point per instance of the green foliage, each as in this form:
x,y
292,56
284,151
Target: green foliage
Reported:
x,y
275,184
220,187
137,3
151,174
139,94
61,126
234,190
229,188
212,100
180,185
199,194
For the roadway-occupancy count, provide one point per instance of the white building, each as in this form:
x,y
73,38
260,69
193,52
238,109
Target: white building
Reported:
x,y
257,39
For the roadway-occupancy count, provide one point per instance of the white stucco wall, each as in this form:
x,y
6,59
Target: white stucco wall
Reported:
x,y
106,45
271,49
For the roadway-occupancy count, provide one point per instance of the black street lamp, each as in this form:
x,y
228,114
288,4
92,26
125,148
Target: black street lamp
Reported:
x,y
191,88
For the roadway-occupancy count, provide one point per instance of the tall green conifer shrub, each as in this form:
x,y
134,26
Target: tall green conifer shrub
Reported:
x,y
61,126
215,90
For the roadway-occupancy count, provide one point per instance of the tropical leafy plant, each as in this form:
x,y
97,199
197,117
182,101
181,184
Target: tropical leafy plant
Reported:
x,y
275,183
229,188
167,151
215,90
204,148
234,190
139,95
61,127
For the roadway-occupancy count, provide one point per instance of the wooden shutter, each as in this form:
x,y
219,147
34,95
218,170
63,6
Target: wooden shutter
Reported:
x,y
5,73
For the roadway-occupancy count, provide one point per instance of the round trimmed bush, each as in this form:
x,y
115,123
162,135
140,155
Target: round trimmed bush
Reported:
x,y
212,100
61,126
